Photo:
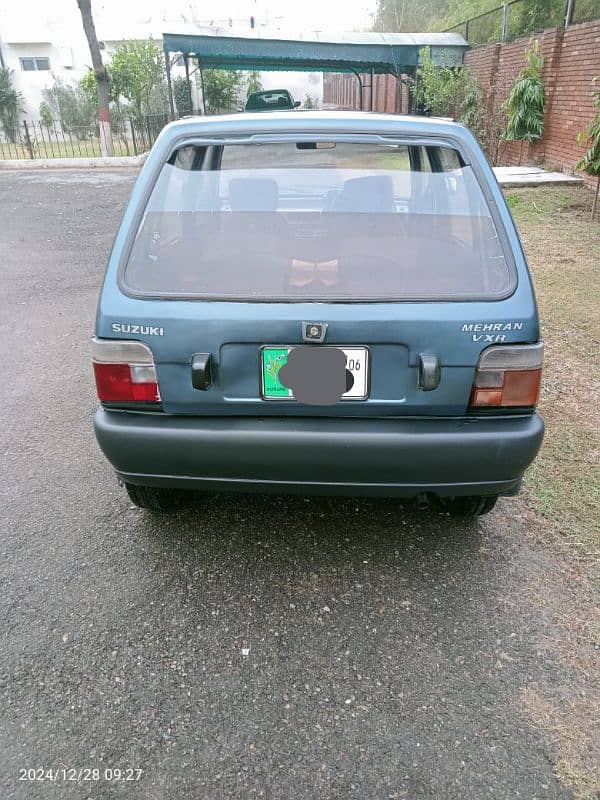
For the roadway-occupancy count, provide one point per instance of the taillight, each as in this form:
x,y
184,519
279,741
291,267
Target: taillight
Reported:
x,y
125,372
508,376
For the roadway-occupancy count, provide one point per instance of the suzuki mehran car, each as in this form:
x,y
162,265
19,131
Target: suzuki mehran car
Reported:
x,y
318,303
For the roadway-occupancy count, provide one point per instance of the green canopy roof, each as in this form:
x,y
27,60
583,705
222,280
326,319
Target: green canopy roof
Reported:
x,y
355,52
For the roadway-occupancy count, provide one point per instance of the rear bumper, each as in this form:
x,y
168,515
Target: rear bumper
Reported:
x,y
308,455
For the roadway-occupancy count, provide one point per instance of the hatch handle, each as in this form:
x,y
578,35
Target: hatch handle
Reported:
x,y
201,371
429,371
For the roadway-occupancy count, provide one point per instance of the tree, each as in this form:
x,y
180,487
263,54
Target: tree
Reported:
x,y
10,105
590,137
254,83
526,101
439,15
221,87
137,73
85,7
407,15
535,15
90,88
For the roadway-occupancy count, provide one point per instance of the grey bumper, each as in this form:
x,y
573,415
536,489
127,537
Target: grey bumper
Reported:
x,y
386,457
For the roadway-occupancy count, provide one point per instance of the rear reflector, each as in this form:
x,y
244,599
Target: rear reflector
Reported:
x,y
508,376
125,372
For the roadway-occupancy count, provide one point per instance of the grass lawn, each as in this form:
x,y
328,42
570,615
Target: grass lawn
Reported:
x,y
563,248
69,148
560,502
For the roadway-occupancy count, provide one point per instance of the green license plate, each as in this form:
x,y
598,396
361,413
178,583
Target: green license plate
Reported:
x,y
273,358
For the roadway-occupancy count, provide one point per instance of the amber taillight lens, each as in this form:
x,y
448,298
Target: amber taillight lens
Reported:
x,y
508,376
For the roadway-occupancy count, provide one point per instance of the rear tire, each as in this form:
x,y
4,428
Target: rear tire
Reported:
x,y
154,499
469,506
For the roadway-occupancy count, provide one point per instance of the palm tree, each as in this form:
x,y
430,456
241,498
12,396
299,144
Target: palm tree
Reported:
x,y
106,146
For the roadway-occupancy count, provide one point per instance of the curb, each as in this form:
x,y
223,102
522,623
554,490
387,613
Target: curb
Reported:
x,y
73,163
511,183
517,177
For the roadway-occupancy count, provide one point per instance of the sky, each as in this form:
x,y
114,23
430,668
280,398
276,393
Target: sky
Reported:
x,y
280,15
318,15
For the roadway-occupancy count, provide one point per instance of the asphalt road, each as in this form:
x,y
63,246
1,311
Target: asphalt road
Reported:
x,y
249,647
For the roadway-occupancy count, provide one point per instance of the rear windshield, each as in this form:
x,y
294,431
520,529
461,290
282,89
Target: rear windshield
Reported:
x,y
269,101
318,221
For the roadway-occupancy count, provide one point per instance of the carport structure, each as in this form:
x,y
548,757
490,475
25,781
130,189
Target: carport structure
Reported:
x,y
364,54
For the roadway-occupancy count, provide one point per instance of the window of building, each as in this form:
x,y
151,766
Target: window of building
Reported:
x,y
33,64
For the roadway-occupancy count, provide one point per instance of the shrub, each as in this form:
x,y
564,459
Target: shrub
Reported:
x,y
72,106
527,99
454,92
590,137
46,115
446,91
10,105
181,96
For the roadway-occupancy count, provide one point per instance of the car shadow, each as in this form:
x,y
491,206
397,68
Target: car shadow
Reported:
x,y
323,522
272,546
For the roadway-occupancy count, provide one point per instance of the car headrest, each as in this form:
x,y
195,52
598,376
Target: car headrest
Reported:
x,y
253,194
373,193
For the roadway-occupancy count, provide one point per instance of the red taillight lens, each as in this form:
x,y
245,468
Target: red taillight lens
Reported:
x,y
125,372
508,376
114,383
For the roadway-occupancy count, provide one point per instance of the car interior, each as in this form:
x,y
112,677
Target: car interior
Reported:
x,y
330,231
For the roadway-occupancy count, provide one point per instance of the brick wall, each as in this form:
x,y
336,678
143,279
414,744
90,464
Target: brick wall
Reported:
x,y
571,61
343,90
572,107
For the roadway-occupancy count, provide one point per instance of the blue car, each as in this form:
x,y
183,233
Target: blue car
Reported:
x,y
318,303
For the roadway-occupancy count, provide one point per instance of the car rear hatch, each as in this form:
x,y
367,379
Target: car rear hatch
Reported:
x,y
392,254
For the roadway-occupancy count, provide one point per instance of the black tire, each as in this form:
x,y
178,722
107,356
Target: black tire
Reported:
x,y
154,499
469,506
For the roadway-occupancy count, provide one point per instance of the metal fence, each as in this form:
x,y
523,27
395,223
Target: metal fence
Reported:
x,y
522,17
34,139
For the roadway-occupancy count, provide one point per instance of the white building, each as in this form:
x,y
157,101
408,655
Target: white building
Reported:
x,y
44,41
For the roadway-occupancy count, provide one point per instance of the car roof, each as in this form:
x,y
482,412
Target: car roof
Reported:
x,y
317,122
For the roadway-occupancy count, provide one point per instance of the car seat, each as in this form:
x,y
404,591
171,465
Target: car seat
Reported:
x,y
253,194
368,194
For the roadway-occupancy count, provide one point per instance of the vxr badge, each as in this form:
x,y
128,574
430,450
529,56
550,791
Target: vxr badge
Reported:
x,y
314,331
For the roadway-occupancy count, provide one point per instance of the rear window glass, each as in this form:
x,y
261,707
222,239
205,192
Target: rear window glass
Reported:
x,y
318,221
268,101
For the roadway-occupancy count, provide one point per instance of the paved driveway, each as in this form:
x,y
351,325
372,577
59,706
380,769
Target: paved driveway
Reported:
x,y
249,647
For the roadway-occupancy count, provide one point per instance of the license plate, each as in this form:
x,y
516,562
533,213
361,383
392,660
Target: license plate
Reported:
x,y
273,357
